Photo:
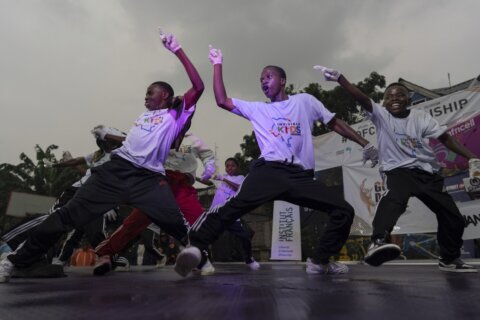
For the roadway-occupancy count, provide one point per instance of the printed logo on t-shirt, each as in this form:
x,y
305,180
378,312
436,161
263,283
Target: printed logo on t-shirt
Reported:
x,y
411,143
149,123
285,129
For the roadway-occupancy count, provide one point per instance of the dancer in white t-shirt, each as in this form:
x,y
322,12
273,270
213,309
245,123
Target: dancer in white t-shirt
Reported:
x,y
411,170
135,175
284,170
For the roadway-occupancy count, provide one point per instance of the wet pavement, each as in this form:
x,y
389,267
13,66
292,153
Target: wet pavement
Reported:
x,y
277,291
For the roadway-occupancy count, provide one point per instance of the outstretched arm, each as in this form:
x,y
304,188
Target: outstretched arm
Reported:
x,y
343,129
193,94
70,163
334,75
453,144
223,101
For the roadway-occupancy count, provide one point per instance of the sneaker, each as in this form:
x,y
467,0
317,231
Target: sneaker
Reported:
x,y
161,263
56,261
380,252
456,265
121,264
332,267
6,270
188,259
103,265
254,265
206,270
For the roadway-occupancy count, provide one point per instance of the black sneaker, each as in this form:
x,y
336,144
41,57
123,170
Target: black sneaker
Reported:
x,y
456,265
380,252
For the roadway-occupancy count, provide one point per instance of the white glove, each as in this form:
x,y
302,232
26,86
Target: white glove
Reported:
x,y
170,42
219,177
208,173
47,163
474,168
215,55
329,74
66,155
99,132
111,215
370,153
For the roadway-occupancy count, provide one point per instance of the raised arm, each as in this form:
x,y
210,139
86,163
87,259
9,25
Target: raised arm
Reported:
x,y
334,75
193,94
223,101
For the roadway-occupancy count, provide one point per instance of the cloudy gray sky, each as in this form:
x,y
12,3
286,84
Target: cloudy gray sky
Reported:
x,y
66,66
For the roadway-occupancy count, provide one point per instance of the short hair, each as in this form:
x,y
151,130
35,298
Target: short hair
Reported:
x,y
281,72
397,84
164,86
233,160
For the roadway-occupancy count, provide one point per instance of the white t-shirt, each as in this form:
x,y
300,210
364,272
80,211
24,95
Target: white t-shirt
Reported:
x,y
89,161
149,140
284,129
403,142
185,159
225,191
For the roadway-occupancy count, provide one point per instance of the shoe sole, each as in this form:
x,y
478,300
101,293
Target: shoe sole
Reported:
x,y
383,254
186,261
458,270
102,269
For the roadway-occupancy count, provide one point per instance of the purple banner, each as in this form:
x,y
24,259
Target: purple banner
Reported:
x,y
468,134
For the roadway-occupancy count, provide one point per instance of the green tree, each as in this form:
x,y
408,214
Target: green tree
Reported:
x,y
34,177
336,100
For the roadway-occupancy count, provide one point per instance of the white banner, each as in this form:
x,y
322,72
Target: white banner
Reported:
x,y
286,237
471,214
365,189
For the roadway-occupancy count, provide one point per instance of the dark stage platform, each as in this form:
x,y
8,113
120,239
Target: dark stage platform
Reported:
x,y
277,291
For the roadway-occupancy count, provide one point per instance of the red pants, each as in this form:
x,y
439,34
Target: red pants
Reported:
x,y
136,222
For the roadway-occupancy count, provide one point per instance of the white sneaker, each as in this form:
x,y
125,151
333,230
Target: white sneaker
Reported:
x,y
188,259
254,265
331,267
120,264
56,261
161,263
6,270
380,252
207,269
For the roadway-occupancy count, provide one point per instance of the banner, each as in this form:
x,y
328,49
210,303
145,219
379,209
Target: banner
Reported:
x,y
471,214
364,191
468,134
286,237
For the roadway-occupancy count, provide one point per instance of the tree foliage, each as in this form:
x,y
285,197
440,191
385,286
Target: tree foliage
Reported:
x,y
336,100
34,177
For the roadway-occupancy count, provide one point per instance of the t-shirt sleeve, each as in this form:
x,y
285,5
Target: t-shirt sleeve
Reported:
x,y
244,108
318,110
378,112
433,129
182,118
